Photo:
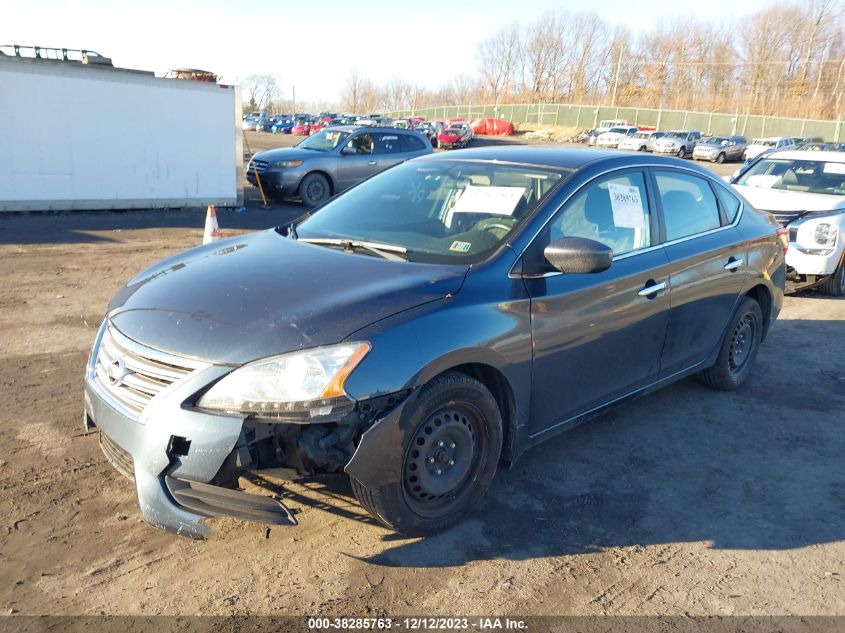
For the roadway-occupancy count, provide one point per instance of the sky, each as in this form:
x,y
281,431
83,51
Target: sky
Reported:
x,y
311,45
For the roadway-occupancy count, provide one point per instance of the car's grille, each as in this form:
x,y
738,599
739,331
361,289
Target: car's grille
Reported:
x,y
257,165
785,217
118,457
132,374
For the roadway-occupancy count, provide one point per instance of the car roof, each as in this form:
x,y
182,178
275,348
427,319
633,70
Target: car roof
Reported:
x,y
795,154
563,158
770,138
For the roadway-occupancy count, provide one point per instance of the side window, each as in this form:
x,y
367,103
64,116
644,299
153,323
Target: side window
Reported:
x,y
411,143
689,205
387,144
612,210
730,203
362,144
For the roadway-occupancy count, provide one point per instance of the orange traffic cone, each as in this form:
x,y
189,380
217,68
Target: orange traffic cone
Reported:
x,y
212,230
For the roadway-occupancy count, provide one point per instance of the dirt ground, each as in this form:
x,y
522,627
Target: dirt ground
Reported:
x,y
688,501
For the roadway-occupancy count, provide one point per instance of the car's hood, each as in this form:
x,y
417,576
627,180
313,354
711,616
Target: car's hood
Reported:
x,y
262,294
288,153
780,200
612,136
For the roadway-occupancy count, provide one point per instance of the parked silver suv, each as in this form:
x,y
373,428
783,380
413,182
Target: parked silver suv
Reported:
x,y
718,149
678,142
332,160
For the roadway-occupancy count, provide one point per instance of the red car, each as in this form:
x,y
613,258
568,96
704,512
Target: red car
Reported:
x,y
301,129
455,136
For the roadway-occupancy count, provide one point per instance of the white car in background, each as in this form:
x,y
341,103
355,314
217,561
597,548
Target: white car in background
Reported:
x,y
614,135
641,141
805,192
760,145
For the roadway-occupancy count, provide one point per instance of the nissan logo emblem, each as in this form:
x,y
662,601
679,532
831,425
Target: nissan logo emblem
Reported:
x,y
117,371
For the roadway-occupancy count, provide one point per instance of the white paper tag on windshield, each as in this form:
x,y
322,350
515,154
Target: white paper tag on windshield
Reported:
x,y
627,206
834,168
492,200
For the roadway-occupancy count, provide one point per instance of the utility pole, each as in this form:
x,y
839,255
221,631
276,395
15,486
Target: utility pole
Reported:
x,y
616,78
293,92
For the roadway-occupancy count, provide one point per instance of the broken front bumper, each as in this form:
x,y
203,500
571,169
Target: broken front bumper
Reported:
x,y
172,452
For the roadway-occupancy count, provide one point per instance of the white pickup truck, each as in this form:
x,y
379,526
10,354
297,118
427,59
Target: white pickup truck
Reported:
x,y
805,191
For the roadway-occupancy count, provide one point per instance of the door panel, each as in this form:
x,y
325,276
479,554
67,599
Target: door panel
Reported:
x,y
598,336
595,337
708,268
353,168
704,294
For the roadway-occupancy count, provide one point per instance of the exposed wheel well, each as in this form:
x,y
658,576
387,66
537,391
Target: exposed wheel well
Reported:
x,y
499,386
763,297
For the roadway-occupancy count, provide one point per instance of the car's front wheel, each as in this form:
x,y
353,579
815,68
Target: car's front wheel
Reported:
x,y
834,285
720,158
450,456
738,349
314,189
682,152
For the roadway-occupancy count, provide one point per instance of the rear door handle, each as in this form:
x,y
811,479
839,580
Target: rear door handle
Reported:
x,y
733,264
651,290
372,162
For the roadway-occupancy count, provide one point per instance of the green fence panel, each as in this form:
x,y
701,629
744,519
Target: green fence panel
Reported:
x,y
587,116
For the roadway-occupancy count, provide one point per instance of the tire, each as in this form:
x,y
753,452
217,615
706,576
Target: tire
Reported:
x,y
682,153
314,189
738,348
454,420
643,148
720,158
834,285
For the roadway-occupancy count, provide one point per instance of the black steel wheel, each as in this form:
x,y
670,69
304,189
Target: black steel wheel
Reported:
x,y
450,453
738,348
314,190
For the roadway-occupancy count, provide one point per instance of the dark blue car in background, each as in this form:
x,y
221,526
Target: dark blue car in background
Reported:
x,y
429,323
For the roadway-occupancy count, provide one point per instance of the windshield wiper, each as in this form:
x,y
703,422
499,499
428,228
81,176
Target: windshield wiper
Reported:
x,y
387,251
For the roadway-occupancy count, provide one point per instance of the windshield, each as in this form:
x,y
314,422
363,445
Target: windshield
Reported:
x,y
810,176
440,211
618,130
763,143
715,140
675,135
641,135
325,140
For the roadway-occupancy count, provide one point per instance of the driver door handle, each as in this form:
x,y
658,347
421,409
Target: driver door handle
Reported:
x,y
651,289
733,264
372,162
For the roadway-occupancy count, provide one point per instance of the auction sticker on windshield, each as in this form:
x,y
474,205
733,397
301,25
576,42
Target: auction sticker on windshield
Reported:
x,y
492,200
627,206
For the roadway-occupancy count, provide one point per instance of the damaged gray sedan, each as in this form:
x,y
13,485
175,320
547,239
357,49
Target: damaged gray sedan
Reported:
x,y
424,326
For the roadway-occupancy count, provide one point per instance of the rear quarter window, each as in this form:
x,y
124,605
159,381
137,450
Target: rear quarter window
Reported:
x,y
730,203
411,143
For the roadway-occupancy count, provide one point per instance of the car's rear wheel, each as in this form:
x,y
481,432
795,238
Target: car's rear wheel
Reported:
x,y
314,189
739,348
834,285
720,158
450,458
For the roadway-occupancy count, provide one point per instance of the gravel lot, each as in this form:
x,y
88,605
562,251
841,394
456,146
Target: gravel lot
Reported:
x,y
688,501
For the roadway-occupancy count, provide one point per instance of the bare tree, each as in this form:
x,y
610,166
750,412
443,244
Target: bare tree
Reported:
x,y
262,90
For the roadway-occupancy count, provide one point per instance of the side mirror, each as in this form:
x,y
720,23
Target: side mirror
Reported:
x,y
578,255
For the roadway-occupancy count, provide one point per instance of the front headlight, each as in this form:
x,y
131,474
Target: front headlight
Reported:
x,y
826,234
306,384
285,164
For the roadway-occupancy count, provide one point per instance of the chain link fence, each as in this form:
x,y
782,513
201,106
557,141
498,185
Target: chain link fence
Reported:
x,y
588,117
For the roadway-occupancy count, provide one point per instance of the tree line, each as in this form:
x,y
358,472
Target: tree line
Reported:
x,y
787,59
